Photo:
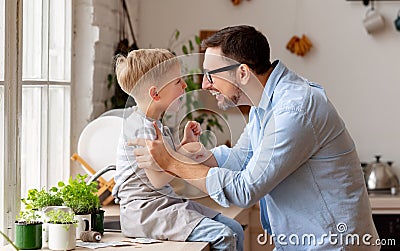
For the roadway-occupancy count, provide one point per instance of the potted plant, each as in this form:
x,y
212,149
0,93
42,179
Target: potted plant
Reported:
x,y
62,228
42,200
28,230
82,199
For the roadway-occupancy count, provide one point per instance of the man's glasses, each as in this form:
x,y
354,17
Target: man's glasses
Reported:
x,y
222,69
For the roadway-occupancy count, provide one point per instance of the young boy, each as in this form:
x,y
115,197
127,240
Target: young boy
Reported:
x,y
148,205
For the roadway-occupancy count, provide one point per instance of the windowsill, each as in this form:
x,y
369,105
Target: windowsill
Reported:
x,y
165,245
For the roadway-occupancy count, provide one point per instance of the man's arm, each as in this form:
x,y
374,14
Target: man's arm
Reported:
x,y
237,157
169,160
285,146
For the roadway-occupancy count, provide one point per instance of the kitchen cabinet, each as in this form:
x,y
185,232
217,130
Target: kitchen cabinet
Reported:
x,y
386,216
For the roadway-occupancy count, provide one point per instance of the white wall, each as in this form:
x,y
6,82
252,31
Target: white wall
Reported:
x,y
361,73
96,35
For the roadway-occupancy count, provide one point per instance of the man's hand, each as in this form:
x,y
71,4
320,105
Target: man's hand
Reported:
x,y
153,154
191,132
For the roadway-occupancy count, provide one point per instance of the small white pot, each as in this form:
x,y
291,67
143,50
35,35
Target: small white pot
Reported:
x,y
62,236
45,233
83,224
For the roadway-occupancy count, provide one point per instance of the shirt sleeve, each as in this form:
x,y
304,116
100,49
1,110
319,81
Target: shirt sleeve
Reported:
x,y
237,157
285,143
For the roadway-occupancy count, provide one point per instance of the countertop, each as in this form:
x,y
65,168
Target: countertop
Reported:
x,y
113,210
385,203
165,245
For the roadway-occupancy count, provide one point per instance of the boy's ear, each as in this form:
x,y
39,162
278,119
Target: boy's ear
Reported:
x,y
153,93
243,74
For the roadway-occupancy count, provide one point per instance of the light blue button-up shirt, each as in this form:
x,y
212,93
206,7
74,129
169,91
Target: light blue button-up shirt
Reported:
x,y
296,158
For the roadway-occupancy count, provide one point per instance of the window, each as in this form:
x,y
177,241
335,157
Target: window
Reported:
x,y
1,43
2,146
44,74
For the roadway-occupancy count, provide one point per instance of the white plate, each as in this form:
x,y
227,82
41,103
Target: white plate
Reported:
x,y
98,143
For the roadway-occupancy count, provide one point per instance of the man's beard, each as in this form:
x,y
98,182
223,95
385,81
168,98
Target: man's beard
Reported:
x,y
230,102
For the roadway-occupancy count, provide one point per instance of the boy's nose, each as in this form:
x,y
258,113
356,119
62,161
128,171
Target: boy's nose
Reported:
x,y
184,85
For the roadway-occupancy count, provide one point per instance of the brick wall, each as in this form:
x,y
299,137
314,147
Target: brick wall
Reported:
x,y
96,35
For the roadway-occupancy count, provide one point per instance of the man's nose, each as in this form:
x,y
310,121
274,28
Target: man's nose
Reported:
x,y
205,84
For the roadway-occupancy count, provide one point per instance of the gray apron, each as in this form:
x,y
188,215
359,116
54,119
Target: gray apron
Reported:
x,y
144,210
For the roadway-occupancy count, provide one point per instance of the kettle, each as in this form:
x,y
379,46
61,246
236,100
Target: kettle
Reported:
x,y
380,176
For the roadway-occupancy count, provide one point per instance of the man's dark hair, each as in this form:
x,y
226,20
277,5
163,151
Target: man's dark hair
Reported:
x,y
244,44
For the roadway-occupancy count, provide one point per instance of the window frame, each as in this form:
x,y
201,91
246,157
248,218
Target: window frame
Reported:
x,y
12,122
10,172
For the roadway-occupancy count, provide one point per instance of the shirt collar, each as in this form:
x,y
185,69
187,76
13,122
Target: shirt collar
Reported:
x,y
150,120
271,84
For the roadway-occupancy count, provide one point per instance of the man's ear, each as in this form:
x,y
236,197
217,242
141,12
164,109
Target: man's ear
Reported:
x,y
243,74
153,93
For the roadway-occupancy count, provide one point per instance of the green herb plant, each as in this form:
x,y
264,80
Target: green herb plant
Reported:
x,y
39,199
79,196
59,216
28,217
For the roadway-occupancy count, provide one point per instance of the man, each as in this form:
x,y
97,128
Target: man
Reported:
x,y
295,156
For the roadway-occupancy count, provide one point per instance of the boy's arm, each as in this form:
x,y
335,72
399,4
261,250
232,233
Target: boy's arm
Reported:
x,y
191,133
197,152
158,178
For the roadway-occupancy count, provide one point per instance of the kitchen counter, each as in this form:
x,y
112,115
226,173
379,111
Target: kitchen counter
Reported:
x,y
165,245
240,214
385,203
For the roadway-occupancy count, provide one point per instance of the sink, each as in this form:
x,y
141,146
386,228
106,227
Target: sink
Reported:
x,y
112,224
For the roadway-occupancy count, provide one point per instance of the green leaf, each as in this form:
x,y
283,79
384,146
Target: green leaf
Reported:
x,y
197,39
199,120
9,240
191,47
53,189
110,79
177,33
80,196
185,49
61,217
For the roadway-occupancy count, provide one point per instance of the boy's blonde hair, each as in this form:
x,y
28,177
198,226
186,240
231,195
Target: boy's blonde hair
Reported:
x,y
141,67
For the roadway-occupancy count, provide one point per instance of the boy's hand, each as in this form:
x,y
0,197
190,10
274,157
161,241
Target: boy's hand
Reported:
x,y
191,132
195,151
